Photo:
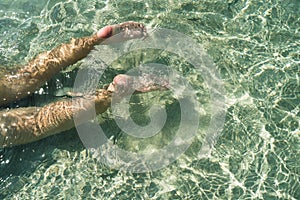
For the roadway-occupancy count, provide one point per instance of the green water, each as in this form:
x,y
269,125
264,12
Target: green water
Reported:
x,y
255,46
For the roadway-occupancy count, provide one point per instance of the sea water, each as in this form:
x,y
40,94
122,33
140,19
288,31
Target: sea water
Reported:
x,y
255,154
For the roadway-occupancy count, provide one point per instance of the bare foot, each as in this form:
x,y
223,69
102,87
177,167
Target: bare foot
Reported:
x,y
122,32
124,84
121,83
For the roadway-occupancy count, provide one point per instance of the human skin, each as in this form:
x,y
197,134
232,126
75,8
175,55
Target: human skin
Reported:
x,y
25,125
26,79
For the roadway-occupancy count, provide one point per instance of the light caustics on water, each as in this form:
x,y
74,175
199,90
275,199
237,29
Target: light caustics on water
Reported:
x,y
255,49
160,40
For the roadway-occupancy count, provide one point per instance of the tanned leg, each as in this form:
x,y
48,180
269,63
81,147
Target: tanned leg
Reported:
x,y
30,77
24,125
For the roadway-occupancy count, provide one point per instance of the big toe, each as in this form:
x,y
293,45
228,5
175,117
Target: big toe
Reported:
x,y
105,32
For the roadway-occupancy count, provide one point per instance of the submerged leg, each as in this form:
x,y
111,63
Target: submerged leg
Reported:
x,y
25,125
30,77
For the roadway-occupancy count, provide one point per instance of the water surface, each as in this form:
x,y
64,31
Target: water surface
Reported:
x,y
255,47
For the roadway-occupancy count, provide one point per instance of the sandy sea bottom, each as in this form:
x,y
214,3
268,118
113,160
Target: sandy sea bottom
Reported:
x,y
256,51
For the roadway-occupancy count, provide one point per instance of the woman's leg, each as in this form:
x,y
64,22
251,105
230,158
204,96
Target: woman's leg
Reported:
x,y
25,125
30,77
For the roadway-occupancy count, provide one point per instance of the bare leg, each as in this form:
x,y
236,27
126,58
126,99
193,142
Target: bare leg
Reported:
x,y
42,68
25,125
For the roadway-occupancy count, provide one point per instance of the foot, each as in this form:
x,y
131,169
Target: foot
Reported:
x,y
121,32
124,84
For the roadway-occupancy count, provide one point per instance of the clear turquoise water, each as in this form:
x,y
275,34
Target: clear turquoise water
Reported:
x,y
256,49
